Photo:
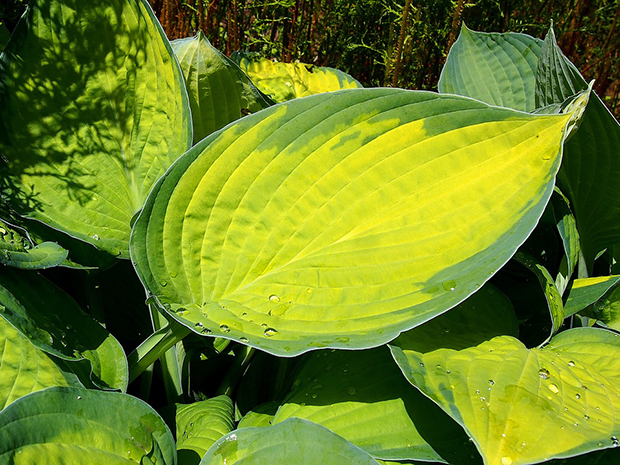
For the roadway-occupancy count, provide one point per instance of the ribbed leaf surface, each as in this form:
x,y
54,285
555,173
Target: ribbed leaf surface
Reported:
x,y
93,111
24,368
342,219
496,68
218,90
524,406
80,426
293,441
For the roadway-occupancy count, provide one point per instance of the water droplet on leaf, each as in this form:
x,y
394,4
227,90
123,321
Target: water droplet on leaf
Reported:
x,y
224,328
544,373
351,390
274,298
270,332
553,388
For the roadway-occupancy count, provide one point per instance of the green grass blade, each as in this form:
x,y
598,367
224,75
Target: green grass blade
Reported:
x,y
93,110
342,219
498,69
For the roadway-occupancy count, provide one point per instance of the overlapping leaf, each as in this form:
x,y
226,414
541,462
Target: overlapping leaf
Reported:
x,y
24,368
342,219
200,425
93,111
76,425
18,251
286,81
496,68
292,441
218,90
55,324
522,405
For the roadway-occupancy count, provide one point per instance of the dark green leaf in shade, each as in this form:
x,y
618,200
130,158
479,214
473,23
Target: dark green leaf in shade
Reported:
x,y
588,291
219,92
93,110
293,441
567,228
18,251
591,166
66,332
80,426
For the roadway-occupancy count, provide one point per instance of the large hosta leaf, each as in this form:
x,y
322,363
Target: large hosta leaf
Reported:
x,y
293,441
218,90
342,219
522,405
496,68
286,81
24,368
80,426
54,323
93,110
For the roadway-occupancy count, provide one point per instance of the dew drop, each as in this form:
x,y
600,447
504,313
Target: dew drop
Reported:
x,y
586,417
477,391
163,283
96,237
506,461
571,363
614,441
351,391
274,298
244,339
553,388
421,364
544,373
309,291
79,397
270,332
314,396
224,328
491,382
173,274
577,396
449,285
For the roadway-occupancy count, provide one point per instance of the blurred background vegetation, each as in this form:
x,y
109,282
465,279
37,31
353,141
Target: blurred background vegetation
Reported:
x,y
400,43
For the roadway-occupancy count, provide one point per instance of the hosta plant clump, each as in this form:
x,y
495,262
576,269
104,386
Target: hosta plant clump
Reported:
x,y
194,273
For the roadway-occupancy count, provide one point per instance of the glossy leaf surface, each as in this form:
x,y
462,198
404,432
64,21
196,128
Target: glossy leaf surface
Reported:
x,y
24,368
496,68
522,405
318,223
218,90
55,324
200,425
93,111
286,81
80,426
293,441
